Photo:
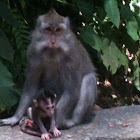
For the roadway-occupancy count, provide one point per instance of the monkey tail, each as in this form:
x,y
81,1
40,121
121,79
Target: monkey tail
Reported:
x,y
27,130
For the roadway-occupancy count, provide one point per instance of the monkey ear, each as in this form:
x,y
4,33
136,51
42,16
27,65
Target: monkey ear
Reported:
x,y
35,102
66,21
40,20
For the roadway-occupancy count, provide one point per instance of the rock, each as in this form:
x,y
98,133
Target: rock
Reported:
x,y
120,123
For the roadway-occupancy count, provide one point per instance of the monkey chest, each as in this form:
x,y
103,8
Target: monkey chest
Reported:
x,y
51,79
52,74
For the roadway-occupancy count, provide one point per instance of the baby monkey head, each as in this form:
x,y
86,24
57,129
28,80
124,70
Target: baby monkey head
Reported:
x,y
46,102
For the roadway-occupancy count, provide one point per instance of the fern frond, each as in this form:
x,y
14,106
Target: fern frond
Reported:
x,y
21,32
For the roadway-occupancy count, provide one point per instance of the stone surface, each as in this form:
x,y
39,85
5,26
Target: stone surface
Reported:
x,y
121,123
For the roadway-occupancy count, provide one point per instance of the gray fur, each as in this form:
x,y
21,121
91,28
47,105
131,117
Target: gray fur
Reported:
x,y
67,71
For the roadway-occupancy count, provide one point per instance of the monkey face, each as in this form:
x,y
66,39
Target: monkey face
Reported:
x,y
49,110
47,107
52,31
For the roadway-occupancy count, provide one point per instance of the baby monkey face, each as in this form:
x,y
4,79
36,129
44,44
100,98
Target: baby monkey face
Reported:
x,y
47,105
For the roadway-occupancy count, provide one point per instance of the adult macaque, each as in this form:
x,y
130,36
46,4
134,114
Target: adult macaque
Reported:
x,y
58,61
40,115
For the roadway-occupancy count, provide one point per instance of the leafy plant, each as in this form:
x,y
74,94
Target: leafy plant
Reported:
x,y
11,67
109,30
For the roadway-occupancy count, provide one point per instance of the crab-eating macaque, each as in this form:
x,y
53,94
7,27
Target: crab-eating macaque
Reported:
x,y
57,61
42,113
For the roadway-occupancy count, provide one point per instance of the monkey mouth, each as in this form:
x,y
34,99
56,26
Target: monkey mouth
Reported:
x,y
51,49
51,115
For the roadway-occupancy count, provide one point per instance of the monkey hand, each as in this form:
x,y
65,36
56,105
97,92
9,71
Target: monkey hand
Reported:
x,y
56,132
9,121
46,136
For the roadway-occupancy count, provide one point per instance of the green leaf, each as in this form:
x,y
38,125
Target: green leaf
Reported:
x,y
123,60
111,8
7,98
101,14
112,57
132,29
62,1
136,73
5,77
89,37
6,50
7,15
109,58
126,12
21,34
137,84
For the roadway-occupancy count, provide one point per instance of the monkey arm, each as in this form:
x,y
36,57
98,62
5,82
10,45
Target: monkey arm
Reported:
x,y
52,126
88,93
53,129
45,135
41,126
64,101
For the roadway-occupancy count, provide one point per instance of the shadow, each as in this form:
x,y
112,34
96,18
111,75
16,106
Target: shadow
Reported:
x,y
89,117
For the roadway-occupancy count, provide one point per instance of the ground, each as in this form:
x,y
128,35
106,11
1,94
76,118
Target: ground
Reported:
x,y
120,123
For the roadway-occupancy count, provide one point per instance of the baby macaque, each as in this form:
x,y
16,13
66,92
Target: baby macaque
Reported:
x,y
42,117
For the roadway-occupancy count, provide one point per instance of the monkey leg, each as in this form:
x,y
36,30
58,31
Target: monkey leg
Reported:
x,y
88,93
30,127
86,101
62,108
30,113
9,121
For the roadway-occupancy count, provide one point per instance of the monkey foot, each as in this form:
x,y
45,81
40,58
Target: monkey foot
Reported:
x,y
46,136
69,123
65,124
56,133
9,121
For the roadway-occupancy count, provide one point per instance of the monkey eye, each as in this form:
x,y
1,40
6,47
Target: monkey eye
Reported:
x,y
58,30
52,106
48,29
47,108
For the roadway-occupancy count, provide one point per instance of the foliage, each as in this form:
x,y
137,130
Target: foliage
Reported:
x,y
109,30
112,10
